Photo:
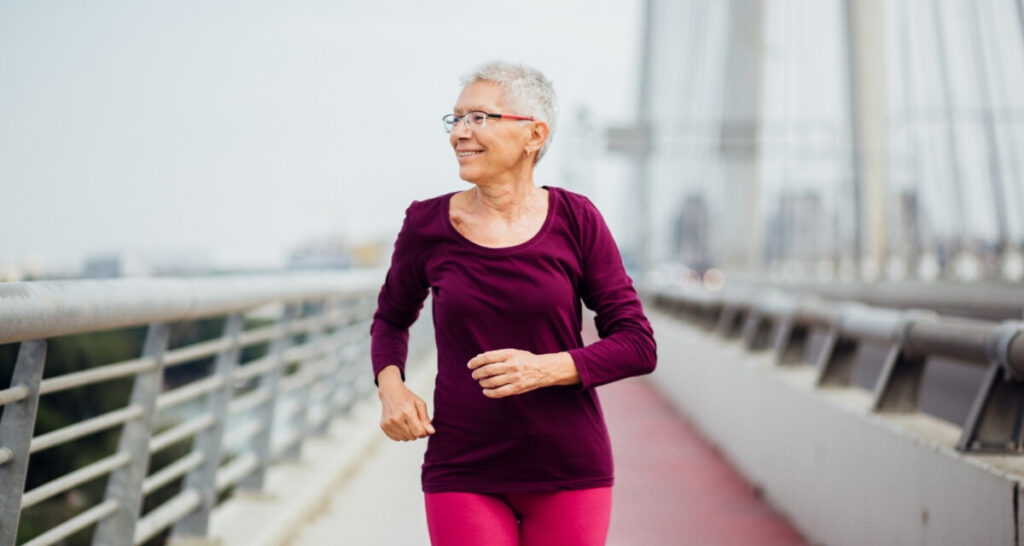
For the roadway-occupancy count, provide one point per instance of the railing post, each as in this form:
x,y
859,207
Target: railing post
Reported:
x,y
16,429
267,411
299,420
356,337
332,382
364,383
790,341
751,330
125,484
836,359
727,320
996,418
898,386
210,442
736,310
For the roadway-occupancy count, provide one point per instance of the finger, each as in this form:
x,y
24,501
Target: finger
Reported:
x,y
402,433
414,426
489,357
421,410
488,370
496,381
502,391
481,359
397,427
392,432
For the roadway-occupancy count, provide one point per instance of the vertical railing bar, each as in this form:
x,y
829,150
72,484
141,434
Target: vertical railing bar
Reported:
x,y
782,338
266,413
969,430
332,382
16,427
344,389
210,442
830,345
364,380
349,378
300,418
348,354
125,484
898,386
1001,383
748,332
354,350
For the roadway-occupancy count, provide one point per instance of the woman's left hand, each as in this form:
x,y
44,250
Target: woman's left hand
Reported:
x,y
506,372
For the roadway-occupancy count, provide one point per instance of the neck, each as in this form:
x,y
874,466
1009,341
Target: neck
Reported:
x,y
508,200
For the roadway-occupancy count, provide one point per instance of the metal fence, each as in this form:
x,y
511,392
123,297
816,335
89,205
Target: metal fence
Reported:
x,y
308,333
842,338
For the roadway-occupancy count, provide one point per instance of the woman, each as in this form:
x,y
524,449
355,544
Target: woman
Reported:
x,y
518,450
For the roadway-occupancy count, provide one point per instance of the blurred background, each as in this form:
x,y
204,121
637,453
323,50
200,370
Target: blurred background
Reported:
x,y
803,141
827,139
855,139
192,137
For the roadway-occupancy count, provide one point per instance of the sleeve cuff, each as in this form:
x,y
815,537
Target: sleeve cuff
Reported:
x,y
580,360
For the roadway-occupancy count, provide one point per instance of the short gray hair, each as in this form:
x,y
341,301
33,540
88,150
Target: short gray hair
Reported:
x,y
526,91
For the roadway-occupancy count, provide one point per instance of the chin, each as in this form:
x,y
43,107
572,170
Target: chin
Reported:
x,y
469,175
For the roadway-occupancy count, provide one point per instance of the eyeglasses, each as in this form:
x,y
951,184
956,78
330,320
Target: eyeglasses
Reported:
x,y
476,120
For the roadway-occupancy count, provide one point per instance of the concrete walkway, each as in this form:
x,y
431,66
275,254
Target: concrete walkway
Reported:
x,y
671,487
381,505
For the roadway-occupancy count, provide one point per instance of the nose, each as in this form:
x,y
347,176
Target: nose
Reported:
x,y
461,127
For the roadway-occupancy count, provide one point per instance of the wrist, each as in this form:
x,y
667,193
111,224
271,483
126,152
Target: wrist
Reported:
x,y
564,369
389,377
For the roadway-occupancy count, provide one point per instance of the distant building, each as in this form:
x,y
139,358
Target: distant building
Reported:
x,y
910,208
328,253
690,233
800,229
106,266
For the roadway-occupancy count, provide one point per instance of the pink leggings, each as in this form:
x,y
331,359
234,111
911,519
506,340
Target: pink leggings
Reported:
x,y
567,518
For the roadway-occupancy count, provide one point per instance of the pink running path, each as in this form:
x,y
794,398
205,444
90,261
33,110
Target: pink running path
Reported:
x,y
671,487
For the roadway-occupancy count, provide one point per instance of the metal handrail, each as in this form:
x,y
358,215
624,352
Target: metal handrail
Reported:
x,y
780,321
993,301
36,310
329,312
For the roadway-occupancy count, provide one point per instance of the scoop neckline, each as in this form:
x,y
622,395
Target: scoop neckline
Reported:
x,y
498,249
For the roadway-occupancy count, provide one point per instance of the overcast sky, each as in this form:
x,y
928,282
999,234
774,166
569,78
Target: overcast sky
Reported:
x,y
230,131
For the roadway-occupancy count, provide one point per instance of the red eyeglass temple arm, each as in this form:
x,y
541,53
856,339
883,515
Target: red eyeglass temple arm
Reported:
x,y
507,116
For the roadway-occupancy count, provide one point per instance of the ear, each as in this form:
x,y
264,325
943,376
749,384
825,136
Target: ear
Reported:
x,y
539,132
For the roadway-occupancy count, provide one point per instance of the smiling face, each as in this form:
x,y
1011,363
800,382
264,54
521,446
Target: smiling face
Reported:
x,y
497,152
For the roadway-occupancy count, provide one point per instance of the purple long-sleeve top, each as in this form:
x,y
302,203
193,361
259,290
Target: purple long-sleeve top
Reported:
x,y
528,296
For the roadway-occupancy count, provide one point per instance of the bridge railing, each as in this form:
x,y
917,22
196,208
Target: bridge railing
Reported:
x,y
289,358
837,336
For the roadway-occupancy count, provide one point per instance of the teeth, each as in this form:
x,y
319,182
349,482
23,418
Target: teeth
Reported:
x,y
466,154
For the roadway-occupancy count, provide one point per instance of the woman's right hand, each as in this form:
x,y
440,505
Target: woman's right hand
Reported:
x,y
403,414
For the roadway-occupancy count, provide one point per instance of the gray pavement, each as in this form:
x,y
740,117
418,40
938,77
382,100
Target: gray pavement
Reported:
x,y
381,504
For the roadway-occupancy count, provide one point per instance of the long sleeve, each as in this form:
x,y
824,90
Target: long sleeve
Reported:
x,y
627,345
400,301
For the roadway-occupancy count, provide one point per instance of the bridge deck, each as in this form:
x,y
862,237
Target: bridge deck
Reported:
x,y
671,488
